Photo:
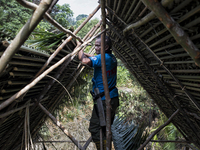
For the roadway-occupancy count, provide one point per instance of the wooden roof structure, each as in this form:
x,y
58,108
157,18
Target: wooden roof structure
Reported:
x,y
158,42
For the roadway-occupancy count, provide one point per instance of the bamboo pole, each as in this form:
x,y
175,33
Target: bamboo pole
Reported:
x,y
25,63
56,141
24,33
18,109
105,82
157,130
40,77
169,141
147,18
124,8
27,49
56,122
130,9
67,40
173,62
178,33
87,143
49,18
52,5
134,11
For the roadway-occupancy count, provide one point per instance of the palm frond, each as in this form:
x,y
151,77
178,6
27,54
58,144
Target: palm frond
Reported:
x,y
46,40
127,135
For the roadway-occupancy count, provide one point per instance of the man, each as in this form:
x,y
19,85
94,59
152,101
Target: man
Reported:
x,y
111,70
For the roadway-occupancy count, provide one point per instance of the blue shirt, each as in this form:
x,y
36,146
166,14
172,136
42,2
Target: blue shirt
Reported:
x,y
111,70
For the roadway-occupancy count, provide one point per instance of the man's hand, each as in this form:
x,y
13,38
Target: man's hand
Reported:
x,y
83,57
88,55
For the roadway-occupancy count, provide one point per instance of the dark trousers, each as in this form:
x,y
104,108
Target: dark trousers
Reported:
x,y
94,127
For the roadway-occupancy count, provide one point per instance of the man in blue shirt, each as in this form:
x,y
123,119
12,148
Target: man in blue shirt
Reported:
x,y
111,70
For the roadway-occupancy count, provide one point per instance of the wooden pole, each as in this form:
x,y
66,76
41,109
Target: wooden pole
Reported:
x,y
52,5
87,143
57,141
24,33
174,28
169,141
18,109
157,130
105,82
56,122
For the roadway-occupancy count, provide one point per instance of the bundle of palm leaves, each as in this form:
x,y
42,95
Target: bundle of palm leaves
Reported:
x,y
126,135
46,40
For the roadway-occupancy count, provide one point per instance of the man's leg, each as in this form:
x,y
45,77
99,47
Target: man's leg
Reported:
x,y
94,127
114,104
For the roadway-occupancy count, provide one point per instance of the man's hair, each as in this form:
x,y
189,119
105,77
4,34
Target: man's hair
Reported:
x,y
107,41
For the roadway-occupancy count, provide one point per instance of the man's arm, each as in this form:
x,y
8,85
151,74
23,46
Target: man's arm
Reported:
x,y
83,57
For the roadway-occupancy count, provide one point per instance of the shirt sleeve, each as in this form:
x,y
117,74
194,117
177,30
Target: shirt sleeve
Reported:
x,y
96,61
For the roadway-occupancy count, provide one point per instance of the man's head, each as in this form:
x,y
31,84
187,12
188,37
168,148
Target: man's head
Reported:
x,y
108,44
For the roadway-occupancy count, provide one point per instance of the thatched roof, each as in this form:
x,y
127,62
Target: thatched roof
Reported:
x,y
162,61
162,66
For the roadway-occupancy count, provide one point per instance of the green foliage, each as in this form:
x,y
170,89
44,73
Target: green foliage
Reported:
x,y
87,27
169,132
134,101
62,13
13,16
81,16
46,40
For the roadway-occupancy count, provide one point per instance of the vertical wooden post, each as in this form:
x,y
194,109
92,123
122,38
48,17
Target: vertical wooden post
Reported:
x,y
105,82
